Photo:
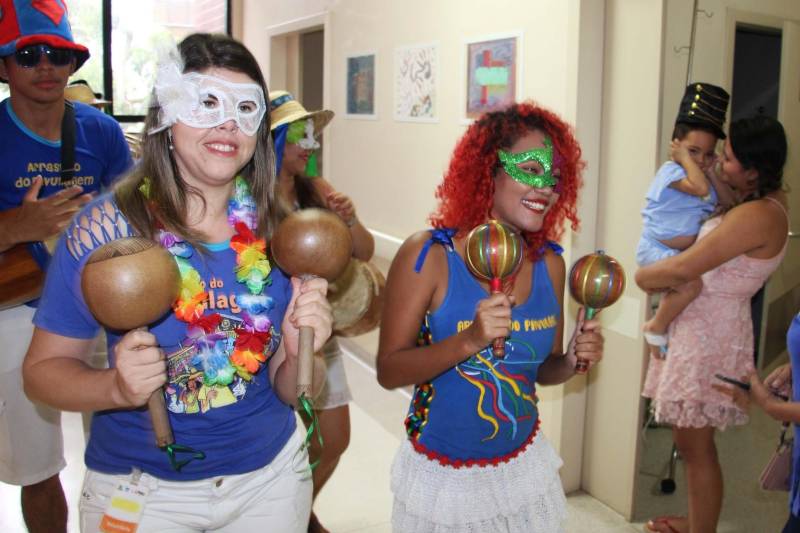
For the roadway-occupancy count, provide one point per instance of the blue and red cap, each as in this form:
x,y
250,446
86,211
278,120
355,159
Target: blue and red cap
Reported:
x,y
27,22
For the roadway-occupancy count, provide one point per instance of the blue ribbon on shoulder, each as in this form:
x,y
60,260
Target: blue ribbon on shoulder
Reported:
x,y
443,236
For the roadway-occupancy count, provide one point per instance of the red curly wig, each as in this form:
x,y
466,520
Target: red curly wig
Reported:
x,y
465,194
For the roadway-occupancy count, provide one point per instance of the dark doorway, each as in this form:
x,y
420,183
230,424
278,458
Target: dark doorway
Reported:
x,y
756,83
756,72
312,46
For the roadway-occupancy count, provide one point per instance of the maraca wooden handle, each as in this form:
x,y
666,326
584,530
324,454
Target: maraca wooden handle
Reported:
x,y
499,344
160,419
305,363
499,347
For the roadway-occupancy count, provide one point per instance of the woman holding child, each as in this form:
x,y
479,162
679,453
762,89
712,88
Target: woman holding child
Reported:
x,y
734,254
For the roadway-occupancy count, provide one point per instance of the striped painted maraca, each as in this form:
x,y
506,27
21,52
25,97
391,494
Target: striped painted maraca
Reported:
x,y
595,281
493,253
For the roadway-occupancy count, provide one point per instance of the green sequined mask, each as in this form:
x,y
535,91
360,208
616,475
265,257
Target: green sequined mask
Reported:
x,y
543,156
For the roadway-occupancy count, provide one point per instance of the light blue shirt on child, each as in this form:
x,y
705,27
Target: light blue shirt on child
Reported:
x,y
670,213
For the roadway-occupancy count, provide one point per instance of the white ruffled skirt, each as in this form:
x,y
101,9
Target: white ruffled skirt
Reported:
x,y
523,495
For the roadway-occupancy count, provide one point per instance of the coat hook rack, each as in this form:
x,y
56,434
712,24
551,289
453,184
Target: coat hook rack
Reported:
x,y
690,47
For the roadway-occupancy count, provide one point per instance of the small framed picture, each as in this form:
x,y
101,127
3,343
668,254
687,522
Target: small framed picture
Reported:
x,y
416,81
493,73
360,91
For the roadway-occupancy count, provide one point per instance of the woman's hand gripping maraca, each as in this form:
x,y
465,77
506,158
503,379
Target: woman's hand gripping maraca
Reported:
x,y
493,252
586,344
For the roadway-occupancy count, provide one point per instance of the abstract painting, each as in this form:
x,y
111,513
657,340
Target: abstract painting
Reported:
x,y
415,83
361,86
492,75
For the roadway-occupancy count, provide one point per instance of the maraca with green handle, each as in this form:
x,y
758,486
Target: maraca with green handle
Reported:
x,y
493,252
595,281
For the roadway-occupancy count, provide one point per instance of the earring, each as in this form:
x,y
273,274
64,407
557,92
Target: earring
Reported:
x,y
169,144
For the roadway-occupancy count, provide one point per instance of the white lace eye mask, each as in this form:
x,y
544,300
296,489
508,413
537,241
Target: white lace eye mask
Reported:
x,y
202,101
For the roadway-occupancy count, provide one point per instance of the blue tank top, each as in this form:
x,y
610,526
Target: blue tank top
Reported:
x,y
483,409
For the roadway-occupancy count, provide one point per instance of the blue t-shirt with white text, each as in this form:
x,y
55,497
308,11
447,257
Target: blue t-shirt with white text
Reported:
x,y
101,155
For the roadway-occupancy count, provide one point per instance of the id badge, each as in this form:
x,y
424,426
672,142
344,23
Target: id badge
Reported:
x,y
125,507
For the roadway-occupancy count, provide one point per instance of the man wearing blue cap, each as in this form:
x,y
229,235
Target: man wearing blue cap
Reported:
x,y
38,198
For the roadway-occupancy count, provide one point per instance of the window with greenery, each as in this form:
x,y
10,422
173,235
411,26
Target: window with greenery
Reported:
x,y
86,19
138,30
124,37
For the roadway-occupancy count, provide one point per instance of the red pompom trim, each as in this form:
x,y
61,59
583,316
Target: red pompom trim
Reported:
x,y
459,463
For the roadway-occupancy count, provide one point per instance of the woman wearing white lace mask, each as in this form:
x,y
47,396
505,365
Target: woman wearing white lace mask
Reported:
x,y
205,191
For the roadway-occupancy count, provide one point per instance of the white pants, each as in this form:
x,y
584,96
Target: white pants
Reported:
x,y
31,444
276,498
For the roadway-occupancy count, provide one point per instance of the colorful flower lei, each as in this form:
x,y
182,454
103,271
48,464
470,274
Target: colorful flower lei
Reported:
x,y
220,358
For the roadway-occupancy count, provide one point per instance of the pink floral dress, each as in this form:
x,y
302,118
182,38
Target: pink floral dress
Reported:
x,y
714,334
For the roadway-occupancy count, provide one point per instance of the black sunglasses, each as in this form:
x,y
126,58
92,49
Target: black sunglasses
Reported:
x,y
30,56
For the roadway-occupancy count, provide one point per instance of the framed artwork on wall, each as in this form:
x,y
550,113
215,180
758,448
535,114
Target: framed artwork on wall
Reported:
x,y
360,91
493,73
416,81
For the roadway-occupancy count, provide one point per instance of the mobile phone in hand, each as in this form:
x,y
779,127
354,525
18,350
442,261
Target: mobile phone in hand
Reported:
x,y
746,386
741,384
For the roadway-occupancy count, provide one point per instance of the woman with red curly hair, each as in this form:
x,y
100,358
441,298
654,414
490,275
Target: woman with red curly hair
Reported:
x,y
474,460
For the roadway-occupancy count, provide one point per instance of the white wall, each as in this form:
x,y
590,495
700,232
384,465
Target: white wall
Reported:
x,y
629,139
403,162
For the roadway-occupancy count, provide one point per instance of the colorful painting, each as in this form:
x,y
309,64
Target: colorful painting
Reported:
x,y
361,86
491,74
415,81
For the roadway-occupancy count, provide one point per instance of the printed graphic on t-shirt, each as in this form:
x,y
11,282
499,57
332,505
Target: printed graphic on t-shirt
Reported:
x,y
200,374
506,392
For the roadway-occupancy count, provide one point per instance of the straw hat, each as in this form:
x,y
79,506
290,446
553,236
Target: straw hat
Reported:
x,y
284,109
81,92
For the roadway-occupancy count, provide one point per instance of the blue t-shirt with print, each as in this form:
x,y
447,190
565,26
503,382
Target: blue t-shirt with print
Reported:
x,y
484,408
240,426
101,155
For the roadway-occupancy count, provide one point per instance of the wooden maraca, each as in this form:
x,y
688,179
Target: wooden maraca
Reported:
x,y
595,281
493,253
311,242
128,284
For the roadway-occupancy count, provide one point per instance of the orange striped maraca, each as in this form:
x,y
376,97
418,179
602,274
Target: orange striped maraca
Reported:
x,y
595,281
494,252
